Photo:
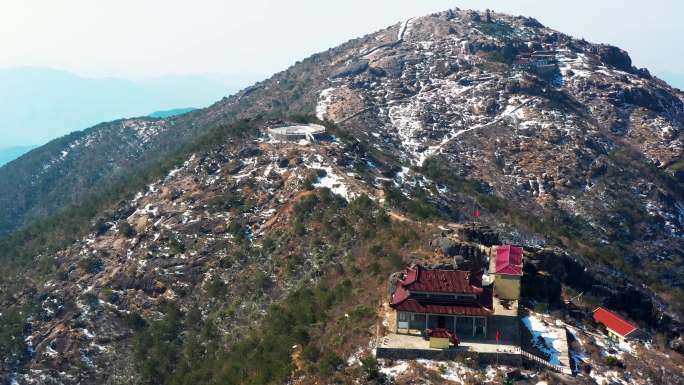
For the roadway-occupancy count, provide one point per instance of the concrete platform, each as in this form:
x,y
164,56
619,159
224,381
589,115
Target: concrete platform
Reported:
x,y
295,132
416,342
510,310
410,347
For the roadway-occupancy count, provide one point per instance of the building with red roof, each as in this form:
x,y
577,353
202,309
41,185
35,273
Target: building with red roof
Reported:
x,y
432,299
508,260
506,265
618,327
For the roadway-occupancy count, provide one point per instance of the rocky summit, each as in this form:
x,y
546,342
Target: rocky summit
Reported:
x,y
203,250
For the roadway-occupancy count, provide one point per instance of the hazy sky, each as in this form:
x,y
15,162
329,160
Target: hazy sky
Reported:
x,y
148,38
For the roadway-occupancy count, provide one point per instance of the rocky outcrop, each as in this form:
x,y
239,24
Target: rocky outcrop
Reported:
x,y
615,57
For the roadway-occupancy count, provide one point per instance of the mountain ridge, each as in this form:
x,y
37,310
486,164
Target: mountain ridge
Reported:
x,y
40,104
171,112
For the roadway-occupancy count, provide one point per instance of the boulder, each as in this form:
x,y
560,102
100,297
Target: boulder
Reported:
x,y
391,65
234,167
448,246
249,152
615,57
351,69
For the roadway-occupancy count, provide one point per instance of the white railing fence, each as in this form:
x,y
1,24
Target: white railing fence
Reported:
x,y
539,360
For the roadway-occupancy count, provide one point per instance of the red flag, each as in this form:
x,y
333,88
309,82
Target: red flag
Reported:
x,y
477,213
498,336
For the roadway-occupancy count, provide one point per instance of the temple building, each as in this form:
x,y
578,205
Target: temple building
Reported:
x,y
430,300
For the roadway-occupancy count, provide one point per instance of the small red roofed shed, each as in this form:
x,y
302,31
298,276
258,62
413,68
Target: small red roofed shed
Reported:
x,y
506,265
508,260
616,325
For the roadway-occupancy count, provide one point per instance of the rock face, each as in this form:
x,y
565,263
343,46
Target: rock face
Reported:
x,y
615,57
428,113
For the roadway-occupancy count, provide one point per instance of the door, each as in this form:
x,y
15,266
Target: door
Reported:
x,y
464,326
441,322
480,327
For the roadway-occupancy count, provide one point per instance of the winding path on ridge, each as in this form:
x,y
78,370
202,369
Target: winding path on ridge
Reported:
x,y
400,39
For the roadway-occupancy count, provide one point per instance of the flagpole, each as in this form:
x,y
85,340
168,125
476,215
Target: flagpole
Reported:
x,y
497,347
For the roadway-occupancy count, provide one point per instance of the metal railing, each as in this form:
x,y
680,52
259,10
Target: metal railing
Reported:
x,y
539,360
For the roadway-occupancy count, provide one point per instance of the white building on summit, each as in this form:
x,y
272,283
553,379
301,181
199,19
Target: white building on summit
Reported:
x,y
296,132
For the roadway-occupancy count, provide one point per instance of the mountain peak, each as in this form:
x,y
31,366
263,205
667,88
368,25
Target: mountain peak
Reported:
x,y
205,240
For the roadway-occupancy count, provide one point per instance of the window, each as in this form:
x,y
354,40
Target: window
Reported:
x,y
442,297
465,297
403,316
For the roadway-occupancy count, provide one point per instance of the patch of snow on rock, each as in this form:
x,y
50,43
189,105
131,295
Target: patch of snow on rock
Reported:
x,y
551,343
334,183
324,101
398,368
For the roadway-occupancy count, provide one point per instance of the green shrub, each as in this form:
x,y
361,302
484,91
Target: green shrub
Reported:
x,y
12,345
91,264
176,246
216,288
239,231
135,321
541,307
329,363
370,367
304,208
361,312
90,299
613,362
494,28
311,353
108,295
298,228
126,229
396,261
374,268
262,281
157,347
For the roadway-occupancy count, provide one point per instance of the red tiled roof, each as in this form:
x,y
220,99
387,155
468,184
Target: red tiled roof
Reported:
x,y
441,281
416,306
411,275
613,321
508,260
417,279
400,294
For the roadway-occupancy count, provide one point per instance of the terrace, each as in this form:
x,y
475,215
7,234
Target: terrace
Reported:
x,y
504,321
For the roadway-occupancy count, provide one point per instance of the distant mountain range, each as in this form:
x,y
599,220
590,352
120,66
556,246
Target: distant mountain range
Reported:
x,y
10,153
673,78
40,104
171,112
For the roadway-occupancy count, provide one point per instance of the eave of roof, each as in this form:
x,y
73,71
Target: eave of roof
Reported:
x,y
416,306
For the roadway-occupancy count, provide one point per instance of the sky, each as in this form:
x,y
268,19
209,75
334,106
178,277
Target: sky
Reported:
x,y
143,39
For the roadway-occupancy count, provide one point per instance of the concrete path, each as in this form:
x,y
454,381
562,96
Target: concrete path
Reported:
x,y
562,335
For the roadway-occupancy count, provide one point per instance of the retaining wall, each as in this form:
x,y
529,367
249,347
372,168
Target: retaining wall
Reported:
x,y
509,359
